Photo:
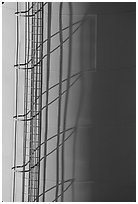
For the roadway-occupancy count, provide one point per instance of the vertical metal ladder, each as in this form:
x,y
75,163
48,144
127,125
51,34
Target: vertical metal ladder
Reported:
x,y
33,102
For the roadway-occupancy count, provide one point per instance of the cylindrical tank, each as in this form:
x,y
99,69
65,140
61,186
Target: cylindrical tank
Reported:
x,y
97,117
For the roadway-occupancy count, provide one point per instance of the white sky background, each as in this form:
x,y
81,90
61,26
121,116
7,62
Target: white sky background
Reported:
x,y
8,56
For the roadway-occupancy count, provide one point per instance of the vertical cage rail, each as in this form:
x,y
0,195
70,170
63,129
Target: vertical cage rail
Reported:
x,y
47,94
16,105
25,105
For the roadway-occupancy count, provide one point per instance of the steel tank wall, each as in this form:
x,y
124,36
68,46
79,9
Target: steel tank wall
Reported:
x,y
105,147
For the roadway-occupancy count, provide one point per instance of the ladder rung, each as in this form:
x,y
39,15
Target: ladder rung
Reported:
x,y
33,188
32,195
37,34
38,26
